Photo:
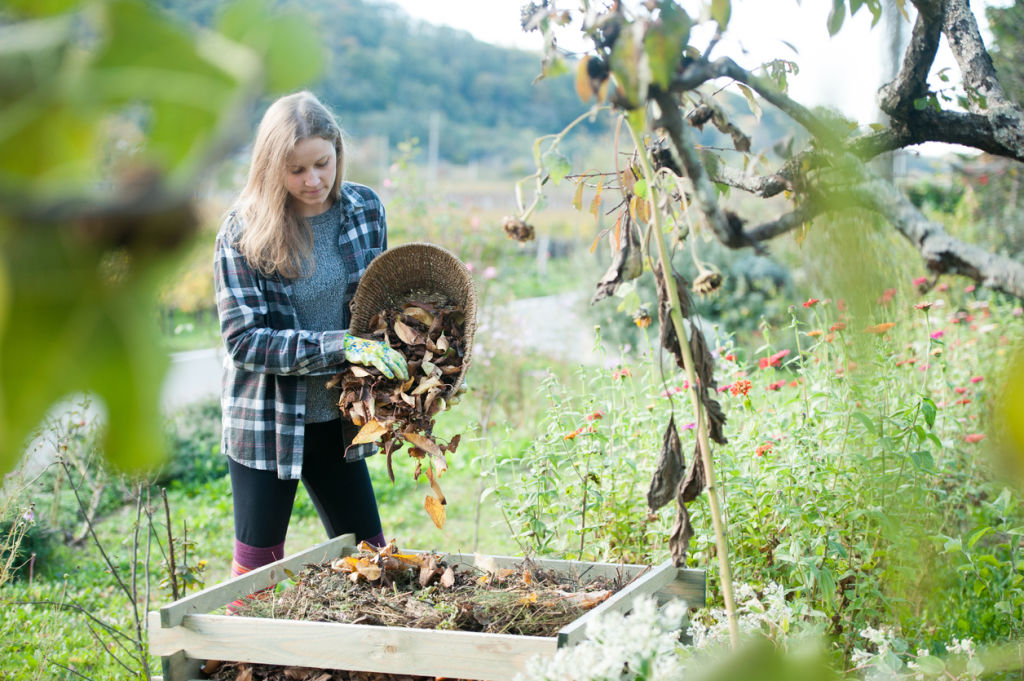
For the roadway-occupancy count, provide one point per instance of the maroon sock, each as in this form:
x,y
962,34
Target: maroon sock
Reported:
x,y
247,558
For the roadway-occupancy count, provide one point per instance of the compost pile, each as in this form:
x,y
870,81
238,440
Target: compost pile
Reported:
x,y
386,587
429,332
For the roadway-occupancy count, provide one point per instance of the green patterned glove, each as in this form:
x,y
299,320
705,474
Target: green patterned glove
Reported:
x,y
377,354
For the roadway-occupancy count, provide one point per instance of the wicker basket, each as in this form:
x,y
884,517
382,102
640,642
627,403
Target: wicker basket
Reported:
x,y
409,271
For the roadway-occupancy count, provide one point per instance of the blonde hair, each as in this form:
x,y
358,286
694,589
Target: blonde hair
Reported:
x,y
274,239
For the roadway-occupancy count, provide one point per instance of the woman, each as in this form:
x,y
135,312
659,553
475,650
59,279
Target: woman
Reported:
x,y
287,262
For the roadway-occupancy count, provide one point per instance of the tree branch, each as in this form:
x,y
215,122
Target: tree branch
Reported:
x,y
942,253
704,192
897,98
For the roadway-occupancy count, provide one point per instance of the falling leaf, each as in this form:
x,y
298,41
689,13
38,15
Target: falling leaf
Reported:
x,y
435,509
423,442
435,486
584,89
370,432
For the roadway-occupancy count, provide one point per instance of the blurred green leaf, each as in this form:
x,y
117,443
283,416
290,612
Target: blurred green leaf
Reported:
x,y
836,17
40,8
721,12
626,66
665,41
556,165
292,50
928,410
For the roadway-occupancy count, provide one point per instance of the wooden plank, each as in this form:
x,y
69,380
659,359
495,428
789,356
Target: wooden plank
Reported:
x,y
332,645
251,582
620,601
690,585
179,667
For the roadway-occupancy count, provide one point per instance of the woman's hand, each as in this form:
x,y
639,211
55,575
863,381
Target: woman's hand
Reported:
x,y
378,354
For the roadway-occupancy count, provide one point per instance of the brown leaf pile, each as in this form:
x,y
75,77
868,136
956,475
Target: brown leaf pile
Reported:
x,y
429,332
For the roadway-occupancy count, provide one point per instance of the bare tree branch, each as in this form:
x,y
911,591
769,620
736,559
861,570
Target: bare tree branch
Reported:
x,y
942,253
897,98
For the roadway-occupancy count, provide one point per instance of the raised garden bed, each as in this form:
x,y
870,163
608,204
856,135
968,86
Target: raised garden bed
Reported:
x,y
184,635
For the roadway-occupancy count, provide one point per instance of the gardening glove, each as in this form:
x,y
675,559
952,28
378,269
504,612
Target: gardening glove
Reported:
x,y
378,354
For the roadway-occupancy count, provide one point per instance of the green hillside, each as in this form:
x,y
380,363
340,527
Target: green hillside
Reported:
x,y
387,73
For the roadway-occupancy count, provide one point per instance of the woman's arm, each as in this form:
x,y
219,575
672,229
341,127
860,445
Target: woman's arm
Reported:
x,y
251,343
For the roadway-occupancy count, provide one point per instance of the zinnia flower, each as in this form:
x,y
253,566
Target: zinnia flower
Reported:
x,y
974,437
811,302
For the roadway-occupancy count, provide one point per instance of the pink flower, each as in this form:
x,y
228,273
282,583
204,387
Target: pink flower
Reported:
x,y
469,266
974,437
969,288
977,379
490,272
811,302
887,295
920,280
475,222
959,390
922,306
937,335
943,286
772,361
776,385
690,426
387,183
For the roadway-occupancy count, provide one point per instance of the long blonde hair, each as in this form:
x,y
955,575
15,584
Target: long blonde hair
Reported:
x,y
274,239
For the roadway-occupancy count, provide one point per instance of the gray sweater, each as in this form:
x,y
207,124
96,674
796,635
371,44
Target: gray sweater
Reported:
x,y
318,300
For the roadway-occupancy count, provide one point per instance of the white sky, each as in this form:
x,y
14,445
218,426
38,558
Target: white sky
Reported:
x,y
843,72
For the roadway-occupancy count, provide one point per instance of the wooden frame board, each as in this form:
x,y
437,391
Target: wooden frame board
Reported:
x,y
182,634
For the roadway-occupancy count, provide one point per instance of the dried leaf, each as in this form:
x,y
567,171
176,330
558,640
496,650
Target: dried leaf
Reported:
x,y
426,384
423,442
419,314
436,487
357,371
694,482
682,533
442,344
667,329
448,578
627,263
586,599
370,432
665,480
408,335
435,509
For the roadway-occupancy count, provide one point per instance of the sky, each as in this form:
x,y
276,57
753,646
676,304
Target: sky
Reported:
x,y
843,72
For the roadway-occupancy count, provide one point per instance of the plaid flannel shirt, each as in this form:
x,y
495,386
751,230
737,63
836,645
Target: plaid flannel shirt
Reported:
x,y
268,359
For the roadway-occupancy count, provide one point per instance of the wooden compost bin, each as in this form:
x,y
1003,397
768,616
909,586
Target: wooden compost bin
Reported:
x,y
184,635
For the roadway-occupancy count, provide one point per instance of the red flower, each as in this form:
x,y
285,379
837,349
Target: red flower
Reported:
x,y
977,379
621,373
772,361
838,326
740,387
776,385
887,295
595,416
811,302
922,306
963,400
959,391
731,357
974,437
920,280
761,450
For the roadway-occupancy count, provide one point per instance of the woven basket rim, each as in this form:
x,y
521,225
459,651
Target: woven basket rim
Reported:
x,y
422,261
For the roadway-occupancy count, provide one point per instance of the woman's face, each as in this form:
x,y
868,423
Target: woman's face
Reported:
x,y
309,175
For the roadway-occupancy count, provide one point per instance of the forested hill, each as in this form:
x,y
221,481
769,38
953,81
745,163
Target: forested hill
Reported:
x,y
388,72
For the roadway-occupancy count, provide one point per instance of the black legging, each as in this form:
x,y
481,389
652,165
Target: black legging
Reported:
x,y
341,492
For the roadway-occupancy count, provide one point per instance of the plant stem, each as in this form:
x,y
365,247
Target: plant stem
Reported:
x,y
725,572
170,545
